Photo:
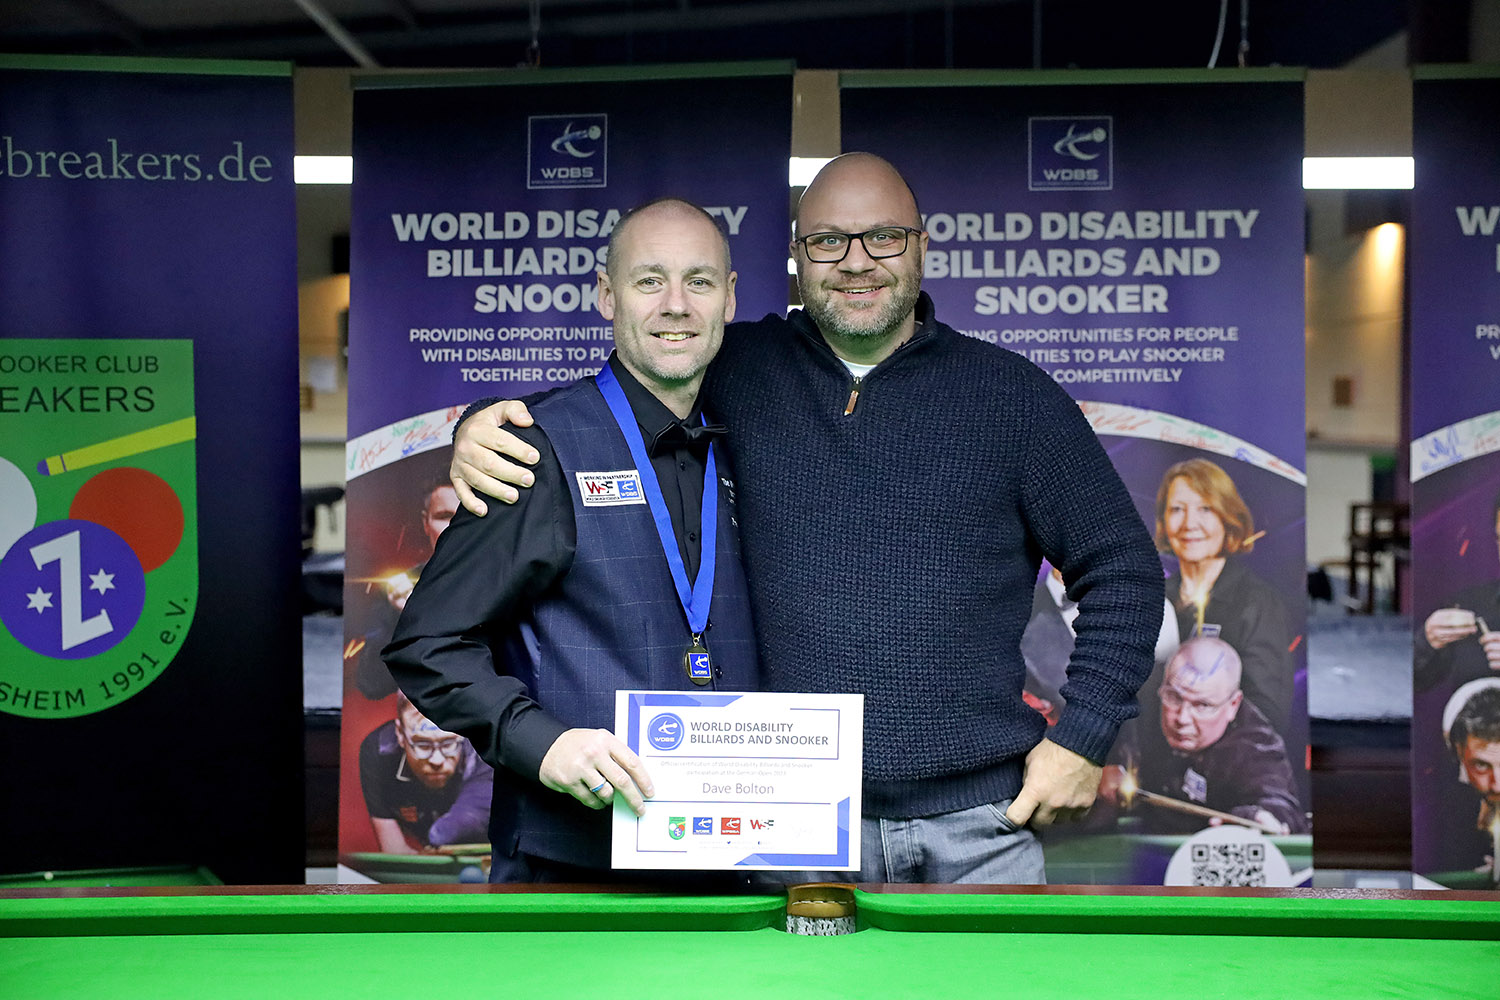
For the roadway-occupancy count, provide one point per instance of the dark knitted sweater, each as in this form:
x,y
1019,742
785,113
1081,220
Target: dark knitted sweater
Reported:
x,y
892,552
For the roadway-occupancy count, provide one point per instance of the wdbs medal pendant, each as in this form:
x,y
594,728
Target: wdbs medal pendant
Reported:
x,y
700,668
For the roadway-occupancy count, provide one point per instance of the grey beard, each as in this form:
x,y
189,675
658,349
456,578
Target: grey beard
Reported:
x,y
834,323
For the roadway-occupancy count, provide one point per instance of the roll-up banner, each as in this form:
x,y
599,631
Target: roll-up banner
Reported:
x,y
150,667
1140,238
1455,471
482,207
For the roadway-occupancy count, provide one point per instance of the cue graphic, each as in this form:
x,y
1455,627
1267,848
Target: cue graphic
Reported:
x,y
1131,792
124,446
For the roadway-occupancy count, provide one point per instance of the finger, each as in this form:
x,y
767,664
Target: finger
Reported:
x,y
583,790
495,467
477,465
635,768
485,483
466,496
621,782
596,792
1022,808
507,444
513,411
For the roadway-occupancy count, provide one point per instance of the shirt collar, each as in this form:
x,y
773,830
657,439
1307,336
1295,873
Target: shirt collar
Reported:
x,y
651,414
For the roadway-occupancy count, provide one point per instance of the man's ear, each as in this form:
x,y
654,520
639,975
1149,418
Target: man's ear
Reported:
x,y
606,296
729,301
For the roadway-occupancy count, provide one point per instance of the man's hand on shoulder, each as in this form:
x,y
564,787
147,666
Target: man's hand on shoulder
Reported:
x,y
581,760
1059,786
477,465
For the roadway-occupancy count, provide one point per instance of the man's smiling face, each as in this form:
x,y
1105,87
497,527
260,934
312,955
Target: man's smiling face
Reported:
x,y
669,291
860,298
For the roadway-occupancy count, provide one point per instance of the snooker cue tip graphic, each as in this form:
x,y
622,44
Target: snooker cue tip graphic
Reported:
x,y
124,446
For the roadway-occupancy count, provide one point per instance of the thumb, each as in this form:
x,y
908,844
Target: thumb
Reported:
x,y
1021,807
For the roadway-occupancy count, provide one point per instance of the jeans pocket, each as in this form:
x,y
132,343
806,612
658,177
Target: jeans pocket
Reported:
x,y
1001,820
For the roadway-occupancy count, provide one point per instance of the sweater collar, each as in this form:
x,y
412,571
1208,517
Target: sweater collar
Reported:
x,y
927,328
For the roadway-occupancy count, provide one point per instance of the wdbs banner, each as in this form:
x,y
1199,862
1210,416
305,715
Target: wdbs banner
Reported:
x,y
148,469
482,209
1455,471
1140,239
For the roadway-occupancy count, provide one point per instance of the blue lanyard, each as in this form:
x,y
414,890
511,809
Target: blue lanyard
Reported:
x,y
695,598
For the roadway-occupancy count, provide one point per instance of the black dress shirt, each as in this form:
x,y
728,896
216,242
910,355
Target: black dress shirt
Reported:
x,y
485,572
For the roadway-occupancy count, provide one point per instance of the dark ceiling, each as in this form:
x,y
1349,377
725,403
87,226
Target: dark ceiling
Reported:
x,y
815,33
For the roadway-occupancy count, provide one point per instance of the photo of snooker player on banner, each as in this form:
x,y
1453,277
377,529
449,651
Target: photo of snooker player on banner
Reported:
x,y
1455,476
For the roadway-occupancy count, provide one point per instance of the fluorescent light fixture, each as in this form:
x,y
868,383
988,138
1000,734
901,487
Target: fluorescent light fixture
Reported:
x,y
1349,172
340,169
323,169
802,169
1336,172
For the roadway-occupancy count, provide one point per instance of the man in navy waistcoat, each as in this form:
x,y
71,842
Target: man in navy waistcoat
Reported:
x,y
619,569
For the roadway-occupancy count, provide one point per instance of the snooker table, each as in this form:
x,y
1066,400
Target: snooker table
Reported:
x,y
915,941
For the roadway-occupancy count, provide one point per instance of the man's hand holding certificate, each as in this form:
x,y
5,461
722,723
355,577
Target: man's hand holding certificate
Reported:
x,y
743,781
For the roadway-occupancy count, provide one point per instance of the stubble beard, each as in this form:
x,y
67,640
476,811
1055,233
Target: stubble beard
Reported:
x,y
860,324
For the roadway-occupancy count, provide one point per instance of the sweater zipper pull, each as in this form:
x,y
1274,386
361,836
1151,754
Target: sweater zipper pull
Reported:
x,y
853,395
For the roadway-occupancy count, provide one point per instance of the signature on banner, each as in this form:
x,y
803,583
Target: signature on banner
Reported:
x,y
408,436
1153,425
1455,443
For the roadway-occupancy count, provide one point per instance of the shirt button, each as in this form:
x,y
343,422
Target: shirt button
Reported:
x,y
692,536
682,466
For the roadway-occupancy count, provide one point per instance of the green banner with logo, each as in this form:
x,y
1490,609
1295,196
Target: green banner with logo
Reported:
x,y
98,520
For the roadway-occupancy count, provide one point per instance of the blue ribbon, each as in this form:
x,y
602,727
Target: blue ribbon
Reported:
x,y
694,598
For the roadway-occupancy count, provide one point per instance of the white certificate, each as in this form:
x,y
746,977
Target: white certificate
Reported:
x,y
743,781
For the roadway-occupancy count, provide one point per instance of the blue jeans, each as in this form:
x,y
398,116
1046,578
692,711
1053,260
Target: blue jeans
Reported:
x,y
977,846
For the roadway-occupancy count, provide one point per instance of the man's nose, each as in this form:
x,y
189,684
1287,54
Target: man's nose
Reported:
x,y
858,258
675,301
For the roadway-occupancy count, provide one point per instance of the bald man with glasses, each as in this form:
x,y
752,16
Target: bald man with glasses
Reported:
x,y
1212,748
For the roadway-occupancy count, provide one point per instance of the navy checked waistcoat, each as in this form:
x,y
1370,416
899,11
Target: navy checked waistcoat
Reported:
x,y
613,622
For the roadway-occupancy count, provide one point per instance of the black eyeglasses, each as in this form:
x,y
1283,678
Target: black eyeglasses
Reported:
x,y
830,248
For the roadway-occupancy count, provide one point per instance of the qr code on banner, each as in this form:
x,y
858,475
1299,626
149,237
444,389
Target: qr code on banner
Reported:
x,y
1229,864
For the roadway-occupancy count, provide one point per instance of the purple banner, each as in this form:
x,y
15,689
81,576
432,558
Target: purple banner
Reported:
x,y
481,215
1142,242
1455,471
148,466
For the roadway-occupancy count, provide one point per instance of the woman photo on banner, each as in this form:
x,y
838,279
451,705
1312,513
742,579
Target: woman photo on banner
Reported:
x,y
1203,522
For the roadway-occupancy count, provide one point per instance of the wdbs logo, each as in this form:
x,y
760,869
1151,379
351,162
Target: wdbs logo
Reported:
x,y
567,151
665,732
1071,153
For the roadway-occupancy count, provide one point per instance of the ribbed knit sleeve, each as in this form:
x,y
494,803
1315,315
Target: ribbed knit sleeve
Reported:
x,y
1085,523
